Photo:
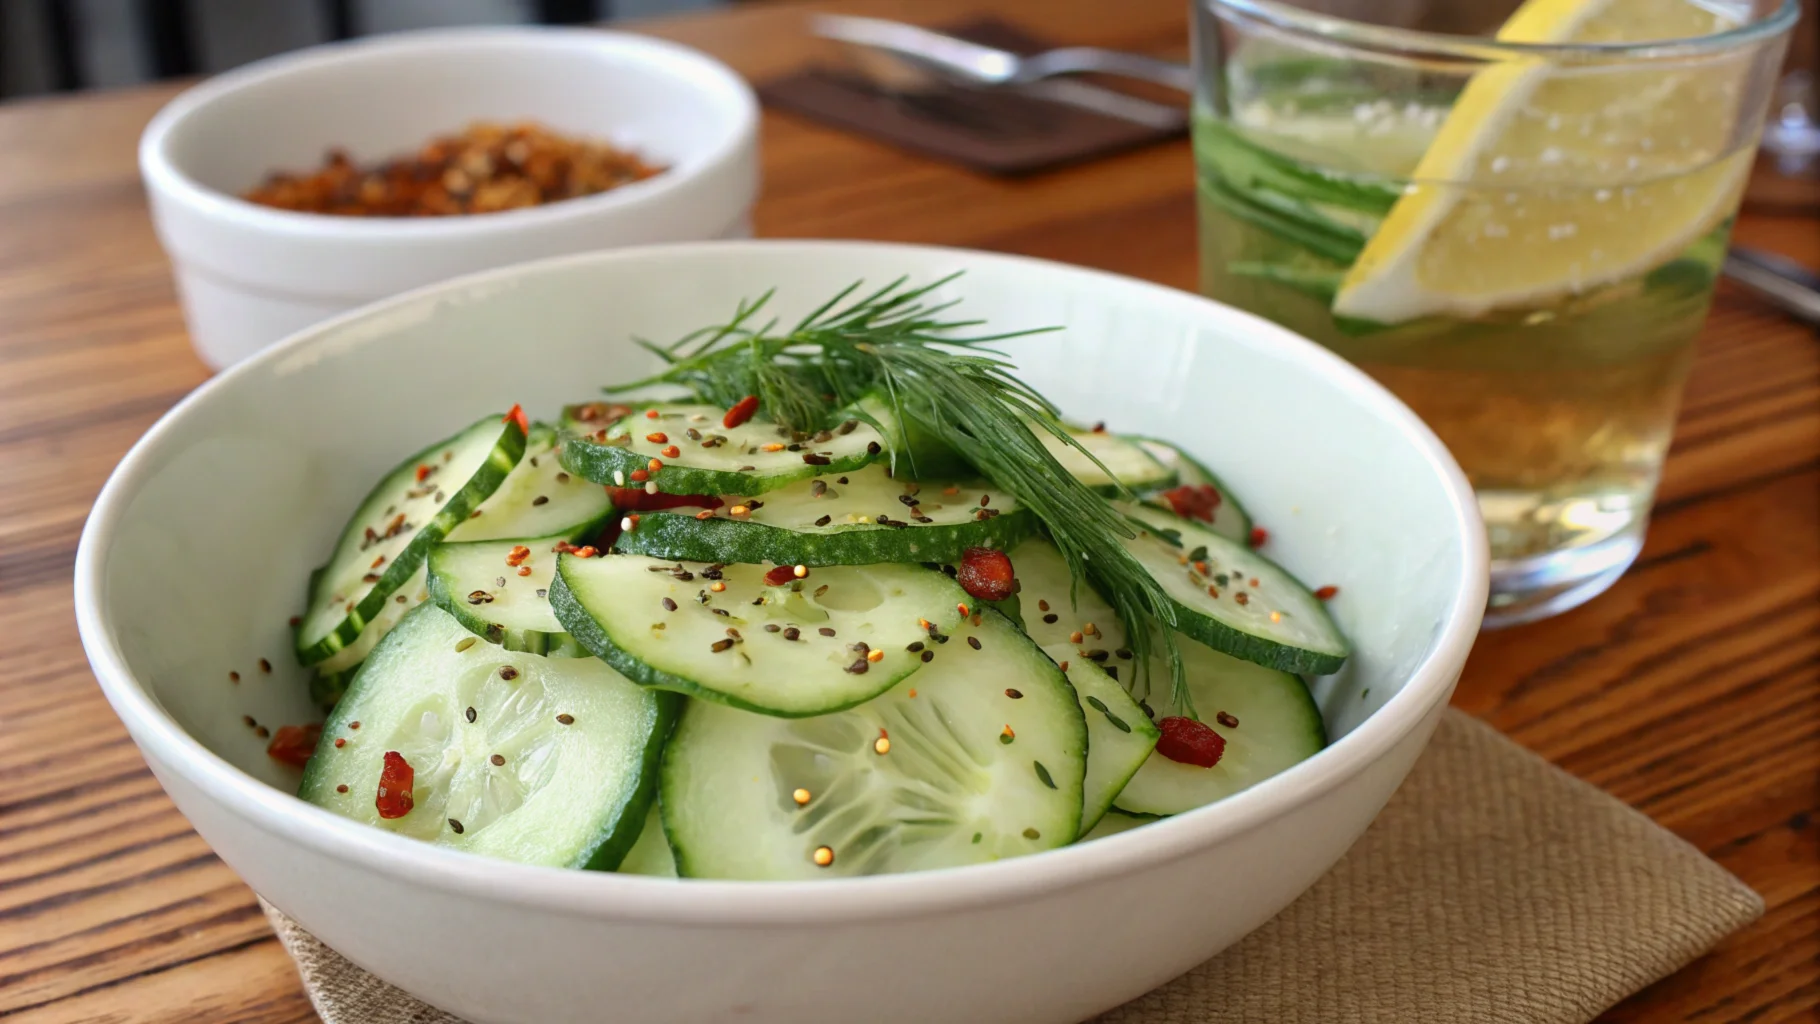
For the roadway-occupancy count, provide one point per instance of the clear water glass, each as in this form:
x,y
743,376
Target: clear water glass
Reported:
x,y
1516,230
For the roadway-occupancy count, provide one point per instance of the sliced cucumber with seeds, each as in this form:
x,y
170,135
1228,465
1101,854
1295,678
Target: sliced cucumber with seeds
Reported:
x,y
1128,461
752,458
1229,518
855,518
479,583
651,854
944,770
1266,717
539,760
1113,823
1119,735
1054,607
538,499
1234,599
386,541
834,639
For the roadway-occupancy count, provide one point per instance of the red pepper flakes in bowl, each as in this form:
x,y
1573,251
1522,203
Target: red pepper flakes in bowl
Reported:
x,y
486,168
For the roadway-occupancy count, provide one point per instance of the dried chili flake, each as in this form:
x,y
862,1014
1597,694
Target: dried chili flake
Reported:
x,y
779,575
293,744
987,574
1259,537
741,411
1328,592
1194,501
395,781
1186,741
485,168
517,415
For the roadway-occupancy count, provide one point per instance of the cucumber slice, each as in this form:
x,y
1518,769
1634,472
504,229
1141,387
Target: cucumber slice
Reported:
x,y
1278,726
1119,735
1244,604
1113,823
752,458
333,674
916,452
1054,607
835,520
651,854
578,747
662,625
968,774
538,499
479,584
1130,463
386,541
1229,517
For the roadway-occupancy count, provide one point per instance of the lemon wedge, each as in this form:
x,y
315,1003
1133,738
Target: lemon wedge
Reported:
x,y
1546,180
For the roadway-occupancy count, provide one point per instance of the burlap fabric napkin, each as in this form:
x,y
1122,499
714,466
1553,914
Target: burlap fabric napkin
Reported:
x,y
1495,888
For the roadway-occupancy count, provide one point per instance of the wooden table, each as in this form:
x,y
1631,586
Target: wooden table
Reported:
x,y
1691,690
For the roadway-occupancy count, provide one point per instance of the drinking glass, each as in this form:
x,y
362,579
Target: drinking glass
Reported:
x,y
1511,217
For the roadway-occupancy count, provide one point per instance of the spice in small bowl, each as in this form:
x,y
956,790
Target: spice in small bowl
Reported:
x,y
486,168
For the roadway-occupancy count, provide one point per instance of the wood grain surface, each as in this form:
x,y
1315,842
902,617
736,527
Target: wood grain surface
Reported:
x,y
1691,690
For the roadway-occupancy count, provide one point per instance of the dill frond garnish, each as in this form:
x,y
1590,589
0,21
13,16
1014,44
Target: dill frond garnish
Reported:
x,y
896,344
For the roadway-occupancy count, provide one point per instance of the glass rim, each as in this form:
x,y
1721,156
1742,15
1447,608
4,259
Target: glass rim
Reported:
x,y
1382,38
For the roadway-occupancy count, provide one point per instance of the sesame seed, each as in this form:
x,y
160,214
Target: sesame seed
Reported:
x,y
233,677
875,656
540,500
720,646
507,672
791,633
1031,833
565,719
973,642
265,666
1075,637
859,667
801,796
1042,606
1014,694
456,825
472,715
343,788
826,631
928,656
498,760
1051,618
669,605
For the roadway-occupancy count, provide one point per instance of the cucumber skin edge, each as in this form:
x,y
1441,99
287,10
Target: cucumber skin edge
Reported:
x,y
529,641
597,462
682,537
629,820
507,450
591,635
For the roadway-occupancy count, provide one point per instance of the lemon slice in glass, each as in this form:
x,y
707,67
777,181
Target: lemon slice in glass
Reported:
x,y
1551,178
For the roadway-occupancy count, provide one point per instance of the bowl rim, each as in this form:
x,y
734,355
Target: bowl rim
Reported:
x,y
705,74
700,902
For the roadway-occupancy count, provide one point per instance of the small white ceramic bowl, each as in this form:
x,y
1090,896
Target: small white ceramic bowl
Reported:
x,y
197,551
249,275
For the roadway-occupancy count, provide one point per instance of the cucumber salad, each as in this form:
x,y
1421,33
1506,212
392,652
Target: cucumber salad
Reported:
x,y
842,597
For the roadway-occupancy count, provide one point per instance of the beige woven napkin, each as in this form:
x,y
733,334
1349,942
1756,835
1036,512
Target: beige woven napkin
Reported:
x,y
1494,888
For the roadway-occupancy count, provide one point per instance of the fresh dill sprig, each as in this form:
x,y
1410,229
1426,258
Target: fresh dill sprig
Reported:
x,y
895,343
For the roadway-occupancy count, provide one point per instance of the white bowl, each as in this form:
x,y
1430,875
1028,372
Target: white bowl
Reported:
x,y
197,551
249,275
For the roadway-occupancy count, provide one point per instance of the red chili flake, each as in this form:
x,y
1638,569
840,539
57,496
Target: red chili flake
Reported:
x,y
586,551
518,555
777,576
1259,536
639,476
590,412
296,620
1328,592
1194,501
1186,741
293,744
986,574
741,412
517,415
652,414
658,437
671,452
395,779
423,472
340,741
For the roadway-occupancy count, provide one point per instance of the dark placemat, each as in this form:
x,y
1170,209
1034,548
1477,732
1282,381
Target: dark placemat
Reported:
x,y
996,131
